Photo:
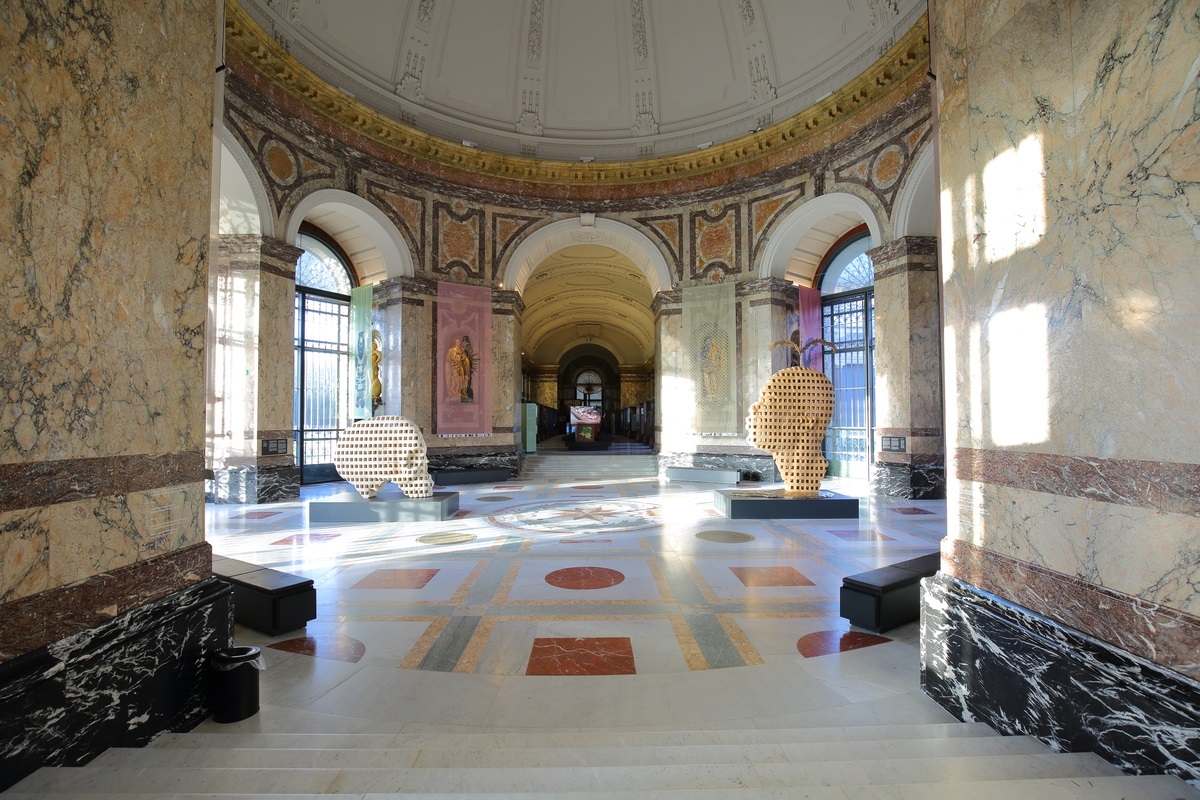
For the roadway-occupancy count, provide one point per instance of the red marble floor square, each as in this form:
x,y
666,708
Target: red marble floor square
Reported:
x,y
911,511
459,514
770,576
856,535
257,515
592,655
331,646
397,579
823,643
305,538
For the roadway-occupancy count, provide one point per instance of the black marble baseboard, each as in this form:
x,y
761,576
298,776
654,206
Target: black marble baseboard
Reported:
x,y
510,461
253,485
985,659
752,468
118,684
909,481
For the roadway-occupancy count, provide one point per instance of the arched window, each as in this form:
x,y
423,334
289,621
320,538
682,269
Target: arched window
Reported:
x,y
321,402
847,279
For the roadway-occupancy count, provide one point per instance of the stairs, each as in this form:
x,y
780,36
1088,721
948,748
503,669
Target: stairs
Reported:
x,y
902,762
588,467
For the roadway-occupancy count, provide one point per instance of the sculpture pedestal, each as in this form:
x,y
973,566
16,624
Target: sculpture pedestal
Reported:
x,y
387,506
766,504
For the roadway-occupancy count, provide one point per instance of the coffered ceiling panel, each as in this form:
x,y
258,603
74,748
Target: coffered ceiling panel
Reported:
x,y
587,78
478,57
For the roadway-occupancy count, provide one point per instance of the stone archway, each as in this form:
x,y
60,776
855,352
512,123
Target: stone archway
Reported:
x,y
621,237
343,213
801,222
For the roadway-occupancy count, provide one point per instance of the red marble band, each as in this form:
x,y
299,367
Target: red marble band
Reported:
x,y
53,615
1163,486
45,483
1158,633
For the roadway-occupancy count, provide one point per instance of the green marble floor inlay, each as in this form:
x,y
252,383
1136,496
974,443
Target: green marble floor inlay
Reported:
x,y
453,537
725,537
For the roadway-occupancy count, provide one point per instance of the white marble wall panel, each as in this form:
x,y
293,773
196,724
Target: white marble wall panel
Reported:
x,y
1068,134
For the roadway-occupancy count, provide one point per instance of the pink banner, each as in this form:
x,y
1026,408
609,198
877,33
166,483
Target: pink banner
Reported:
x,y
464,359
809,313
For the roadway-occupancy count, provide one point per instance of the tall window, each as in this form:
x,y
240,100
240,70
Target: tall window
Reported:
x,y
322,403
848,309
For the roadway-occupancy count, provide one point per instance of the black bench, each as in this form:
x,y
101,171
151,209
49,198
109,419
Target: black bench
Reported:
x,y
265,599
453,477
884,598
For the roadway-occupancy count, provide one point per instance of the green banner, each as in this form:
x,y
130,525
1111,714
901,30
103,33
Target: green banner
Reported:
x,y
360,350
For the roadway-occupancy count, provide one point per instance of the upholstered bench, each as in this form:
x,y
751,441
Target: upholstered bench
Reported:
x,y
265,599
453,477
884,598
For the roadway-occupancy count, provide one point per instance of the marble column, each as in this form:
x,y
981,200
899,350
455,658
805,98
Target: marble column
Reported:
x,y
252,374
107,602
910,459
1067,606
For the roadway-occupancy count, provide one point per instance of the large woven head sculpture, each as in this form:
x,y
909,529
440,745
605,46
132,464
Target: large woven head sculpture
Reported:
x,y
373,452
789,421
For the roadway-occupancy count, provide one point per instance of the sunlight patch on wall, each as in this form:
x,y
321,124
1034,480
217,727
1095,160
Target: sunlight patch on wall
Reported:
x,y
678,413
1014,200
1019,376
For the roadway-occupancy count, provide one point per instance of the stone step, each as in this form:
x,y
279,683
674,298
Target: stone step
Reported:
x,y
476,758
1155,787
596,739
492,780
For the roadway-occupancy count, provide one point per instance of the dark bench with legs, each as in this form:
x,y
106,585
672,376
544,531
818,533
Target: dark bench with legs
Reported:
x,y
884,598
267,600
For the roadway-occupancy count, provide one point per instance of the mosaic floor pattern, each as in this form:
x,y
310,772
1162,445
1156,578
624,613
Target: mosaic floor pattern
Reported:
x,y
539,579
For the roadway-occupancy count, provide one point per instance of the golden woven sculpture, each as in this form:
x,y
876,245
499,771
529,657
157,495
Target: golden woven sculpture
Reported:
x,y
373,452
789,421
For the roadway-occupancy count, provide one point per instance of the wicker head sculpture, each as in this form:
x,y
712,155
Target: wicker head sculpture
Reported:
x,y
789,422
380,450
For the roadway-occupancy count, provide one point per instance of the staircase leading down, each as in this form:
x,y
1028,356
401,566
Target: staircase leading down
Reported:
x,y
275,755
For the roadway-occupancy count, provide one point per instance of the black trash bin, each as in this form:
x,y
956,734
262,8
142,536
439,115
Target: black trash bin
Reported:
x,y
234,694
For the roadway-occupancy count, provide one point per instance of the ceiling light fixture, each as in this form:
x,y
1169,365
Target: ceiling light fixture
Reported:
x,y
469,143
704,146
587,159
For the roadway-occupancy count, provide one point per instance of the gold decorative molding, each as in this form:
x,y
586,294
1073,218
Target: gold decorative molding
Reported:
x,y
245,37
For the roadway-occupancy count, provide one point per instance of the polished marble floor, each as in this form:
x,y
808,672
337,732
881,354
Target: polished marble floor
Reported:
x,y
622,603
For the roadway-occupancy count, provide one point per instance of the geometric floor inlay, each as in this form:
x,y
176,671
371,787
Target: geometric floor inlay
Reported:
x,y
329,646
608,516
305,538
257,515
397,579
725,537
910,511
493,498
447,538
770,576
596,655
823,643
584,578
856,535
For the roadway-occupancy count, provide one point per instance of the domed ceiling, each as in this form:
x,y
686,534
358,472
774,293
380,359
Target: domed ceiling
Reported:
x,y
590,80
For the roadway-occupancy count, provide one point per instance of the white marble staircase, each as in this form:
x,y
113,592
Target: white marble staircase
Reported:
x,y
589,466
924,761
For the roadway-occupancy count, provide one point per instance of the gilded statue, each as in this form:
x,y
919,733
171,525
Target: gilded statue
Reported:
x,y
789,421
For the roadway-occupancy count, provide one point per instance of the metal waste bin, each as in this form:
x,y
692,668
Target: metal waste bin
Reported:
x,y
234,687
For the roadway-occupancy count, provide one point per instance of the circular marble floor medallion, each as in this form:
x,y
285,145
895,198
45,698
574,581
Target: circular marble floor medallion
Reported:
x,y
725,537
582,515
584,578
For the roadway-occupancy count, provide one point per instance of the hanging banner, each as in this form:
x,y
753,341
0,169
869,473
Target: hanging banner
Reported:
x,y
809,321
464,356
360,350
710,335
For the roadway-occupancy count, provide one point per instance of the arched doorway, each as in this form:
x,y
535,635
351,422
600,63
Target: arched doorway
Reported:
x,y
587,292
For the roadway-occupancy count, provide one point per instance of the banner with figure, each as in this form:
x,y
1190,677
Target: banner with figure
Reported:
x,y
464,355
360,350
710,336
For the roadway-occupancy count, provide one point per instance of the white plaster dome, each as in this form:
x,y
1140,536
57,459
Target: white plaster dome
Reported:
x,y
587,79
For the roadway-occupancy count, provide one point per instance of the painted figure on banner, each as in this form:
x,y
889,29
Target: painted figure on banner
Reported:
x,y
460,369
713,367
